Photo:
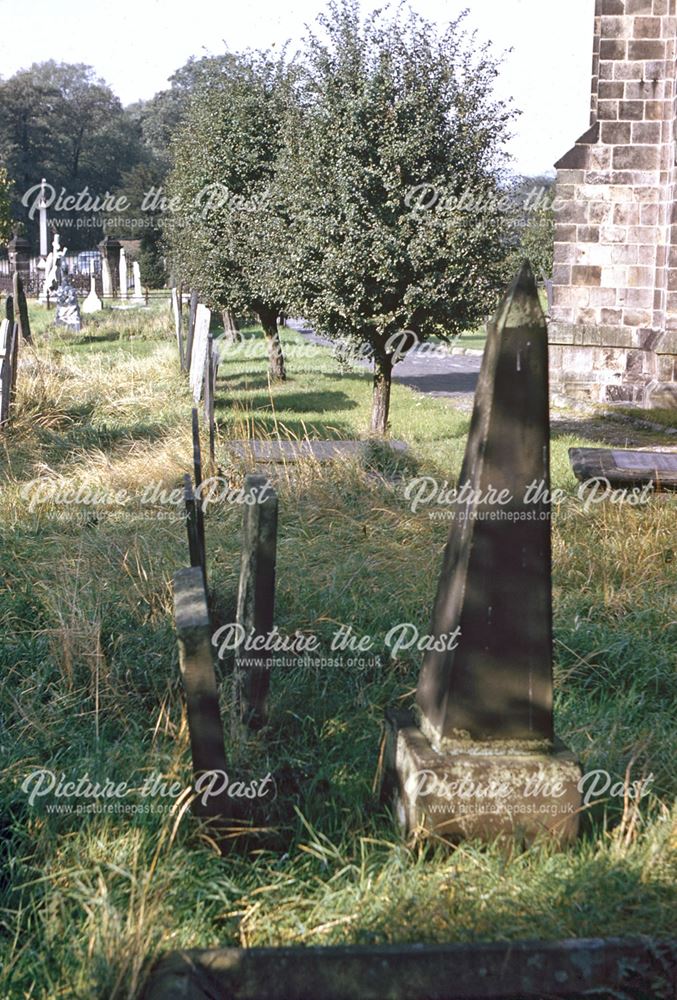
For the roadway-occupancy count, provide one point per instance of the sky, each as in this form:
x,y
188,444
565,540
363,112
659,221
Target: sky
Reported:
x,y
135,46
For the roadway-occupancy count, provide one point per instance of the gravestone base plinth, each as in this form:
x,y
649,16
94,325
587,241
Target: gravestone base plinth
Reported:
x,y
487,790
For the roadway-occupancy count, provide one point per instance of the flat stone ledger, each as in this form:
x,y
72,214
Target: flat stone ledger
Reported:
x,y
479,790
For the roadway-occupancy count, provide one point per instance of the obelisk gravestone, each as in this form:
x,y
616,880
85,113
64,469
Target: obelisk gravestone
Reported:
x,y
482,760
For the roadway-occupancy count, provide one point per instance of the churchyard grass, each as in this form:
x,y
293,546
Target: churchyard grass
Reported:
x,y
91,678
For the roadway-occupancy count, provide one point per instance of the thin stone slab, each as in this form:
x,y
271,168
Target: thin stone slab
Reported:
x,y
625,468
256,597
295,451
198,359
6,351
193,630
21,305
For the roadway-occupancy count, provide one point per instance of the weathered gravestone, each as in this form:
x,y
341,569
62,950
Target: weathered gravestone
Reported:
x,y
178,322
256,598
207,747
7,338
211,371
106,279
480,759
92,303
123,274
136,278
624,469
67,308
199,352
21,307
194,297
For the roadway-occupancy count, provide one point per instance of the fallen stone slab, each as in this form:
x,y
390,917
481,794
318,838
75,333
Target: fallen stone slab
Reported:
x,y
260,451
553,969
625,467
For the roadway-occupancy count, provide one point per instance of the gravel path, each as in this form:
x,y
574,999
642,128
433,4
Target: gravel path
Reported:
x,y
451,376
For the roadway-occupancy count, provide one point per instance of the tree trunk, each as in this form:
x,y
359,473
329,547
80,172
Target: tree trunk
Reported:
x,y
380,407
230,329
268,318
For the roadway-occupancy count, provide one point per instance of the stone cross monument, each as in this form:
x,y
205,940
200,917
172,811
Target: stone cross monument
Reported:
x,y
614,335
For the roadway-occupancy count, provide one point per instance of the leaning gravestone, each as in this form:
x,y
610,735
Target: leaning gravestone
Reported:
x,y
21,305
256,598
479,759
196,661
199,352
6,350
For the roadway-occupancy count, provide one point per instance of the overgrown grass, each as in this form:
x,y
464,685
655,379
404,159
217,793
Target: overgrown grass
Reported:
x,y
91,680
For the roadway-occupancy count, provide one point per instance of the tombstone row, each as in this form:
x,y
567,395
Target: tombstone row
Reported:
x,y
255,609
484,703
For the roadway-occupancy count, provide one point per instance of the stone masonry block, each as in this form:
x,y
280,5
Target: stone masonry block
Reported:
x,y
616,27
628,111
640,277
616,133
647,27
586,275
647,49
616,48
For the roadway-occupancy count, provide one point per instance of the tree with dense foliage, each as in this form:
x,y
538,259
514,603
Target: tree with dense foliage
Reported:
x,y
537,231
62,122
395,122
6,222
221,191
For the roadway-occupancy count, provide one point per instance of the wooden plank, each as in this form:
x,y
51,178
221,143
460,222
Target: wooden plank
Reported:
x,y
193,629
504,971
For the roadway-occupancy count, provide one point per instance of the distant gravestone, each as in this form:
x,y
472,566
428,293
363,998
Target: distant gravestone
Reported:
x,y
194,302
67,308
92,303
625,468
484,698
5,369
21,307
256,598
178,322
199,354
123,274
211,371
136,278
106,279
